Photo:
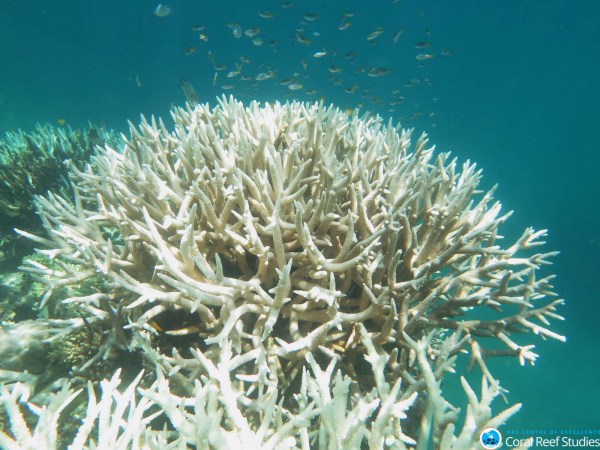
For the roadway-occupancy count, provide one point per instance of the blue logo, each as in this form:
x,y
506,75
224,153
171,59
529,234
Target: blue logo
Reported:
x,y
490,438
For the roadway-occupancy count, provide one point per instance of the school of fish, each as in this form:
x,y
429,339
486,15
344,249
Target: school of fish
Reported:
x,y
322,68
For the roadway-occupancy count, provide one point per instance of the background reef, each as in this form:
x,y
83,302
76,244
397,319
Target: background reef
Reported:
x,y
518,95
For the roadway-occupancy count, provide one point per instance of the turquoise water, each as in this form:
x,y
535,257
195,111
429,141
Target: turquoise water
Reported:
x,y
512,85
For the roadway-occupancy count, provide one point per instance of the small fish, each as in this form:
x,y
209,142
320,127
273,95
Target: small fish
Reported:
x,y
266,14
287,5
197,27
301,39
347,14
257,41
236,30
447,52
61,121
311,92
379,71
203,37
375,34
233,74
251,32
227,87
334,69
344,25
265,75
94,137
244,60
397,35
424,56
189,92
423,44
295,86
162,10
138,81
190,51
351,54
311,16
351,89
320,54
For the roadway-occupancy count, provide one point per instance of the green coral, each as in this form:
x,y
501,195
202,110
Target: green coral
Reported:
x,y
35,162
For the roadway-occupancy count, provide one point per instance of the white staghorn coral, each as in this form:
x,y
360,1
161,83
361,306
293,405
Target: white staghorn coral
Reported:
x,y
212,416
254,244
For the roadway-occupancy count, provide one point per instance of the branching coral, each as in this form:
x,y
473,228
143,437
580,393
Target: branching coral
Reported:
x,y
325,414
33,163
291,237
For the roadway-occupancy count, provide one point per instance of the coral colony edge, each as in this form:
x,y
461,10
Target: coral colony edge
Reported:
x,y
277,276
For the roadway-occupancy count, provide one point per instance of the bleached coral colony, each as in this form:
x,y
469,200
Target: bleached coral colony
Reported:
x,y
293,276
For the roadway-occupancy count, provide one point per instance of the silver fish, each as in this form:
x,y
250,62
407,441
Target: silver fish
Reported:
x,y
236,30
162,10
266,14
397,35
424,56
251,32
375,34
190,93
265,75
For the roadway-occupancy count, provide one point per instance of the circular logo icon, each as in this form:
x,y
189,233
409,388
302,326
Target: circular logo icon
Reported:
x,y
490,438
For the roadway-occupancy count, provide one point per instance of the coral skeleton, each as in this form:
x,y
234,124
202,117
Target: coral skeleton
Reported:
x,y
295,277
